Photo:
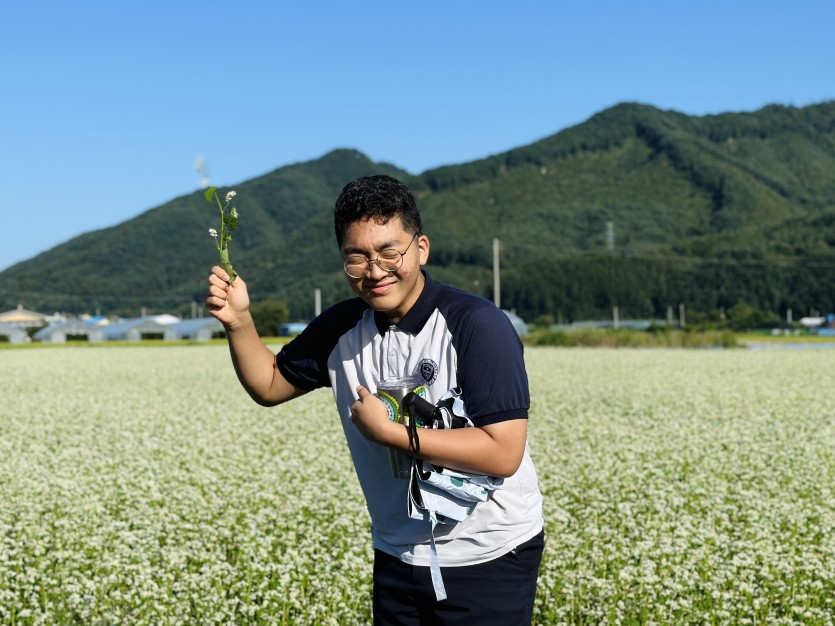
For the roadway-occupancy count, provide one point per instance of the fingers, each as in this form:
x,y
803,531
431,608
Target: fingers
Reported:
x,y
219,282
218,274
363,394
218,289
218,292
227,302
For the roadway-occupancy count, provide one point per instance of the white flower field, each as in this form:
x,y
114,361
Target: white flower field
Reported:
x,y
140,485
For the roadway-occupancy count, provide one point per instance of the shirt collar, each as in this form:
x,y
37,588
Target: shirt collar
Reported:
x,y
416,317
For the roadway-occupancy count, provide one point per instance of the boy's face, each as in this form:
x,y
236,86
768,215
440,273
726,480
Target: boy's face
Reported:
x,y
391,293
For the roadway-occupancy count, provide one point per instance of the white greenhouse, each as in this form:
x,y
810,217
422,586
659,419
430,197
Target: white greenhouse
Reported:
x,y
135,329
201,329
13,334
58,333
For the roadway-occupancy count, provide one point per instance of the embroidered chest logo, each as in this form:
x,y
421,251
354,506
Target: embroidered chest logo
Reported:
x,y
429,370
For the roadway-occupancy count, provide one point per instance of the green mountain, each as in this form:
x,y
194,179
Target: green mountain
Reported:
x,y
637,207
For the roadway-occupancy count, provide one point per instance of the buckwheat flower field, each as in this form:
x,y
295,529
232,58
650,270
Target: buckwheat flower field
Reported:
x,y
140,485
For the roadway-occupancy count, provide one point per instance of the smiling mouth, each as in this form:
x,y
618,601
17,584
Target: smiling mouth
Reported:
x,y
379,288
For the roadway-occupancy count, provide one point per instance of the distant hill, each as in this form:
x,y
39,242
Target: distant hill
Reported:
x,y
637,207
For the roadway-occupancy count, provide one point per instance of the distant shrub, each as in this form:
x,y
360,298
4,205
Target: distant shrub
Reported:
x,y
627,338
548,338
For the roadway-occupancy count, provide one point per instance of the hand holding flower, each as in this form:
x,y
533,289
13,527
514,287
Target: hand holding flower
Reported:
x,y
227,301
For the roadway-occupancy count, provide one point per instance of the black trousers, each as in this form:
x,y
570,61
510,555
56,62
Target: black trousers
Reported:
x,y
496,593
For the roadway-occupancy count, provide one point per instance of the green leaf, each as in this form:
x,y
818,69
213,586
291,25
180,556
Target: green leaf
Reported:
x,y
209,193
230,221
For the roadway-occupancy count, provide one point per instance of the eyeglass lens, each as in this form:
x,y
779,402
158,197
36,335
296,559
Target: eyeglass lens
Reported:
x,y
389,260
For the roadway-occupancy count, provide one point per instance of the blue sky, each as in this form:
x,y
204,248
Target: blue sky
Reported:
x,y
106,105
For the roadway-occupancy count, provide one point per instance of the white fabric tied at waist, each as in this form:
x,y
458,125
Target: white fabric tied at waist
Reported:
x,y
442,496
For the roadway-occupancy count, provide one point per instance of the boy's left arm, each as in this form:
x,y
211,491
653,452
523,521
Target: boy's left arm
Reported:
x,y
492,450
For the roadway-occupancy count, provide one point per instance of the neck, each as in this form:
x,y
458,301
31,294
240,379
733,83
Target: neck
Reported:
x,y
395,316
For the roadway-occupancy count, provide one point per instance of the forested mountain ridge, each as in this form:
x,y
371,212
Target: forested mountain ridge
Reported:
x,y
637,208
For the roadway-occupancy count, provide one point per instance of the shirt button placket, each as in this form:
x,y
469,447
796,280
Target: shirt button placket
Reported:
x,y
392,364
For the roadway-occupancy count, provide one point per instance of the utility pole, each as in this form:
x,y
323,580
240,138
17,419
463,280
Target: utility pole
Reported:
x,y
615,319
317,301
497,298
610,236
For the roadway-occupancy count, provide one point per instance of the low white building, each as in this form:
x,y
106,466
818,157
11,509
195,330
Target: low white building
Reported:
x,y
58,332
812,322
23,318
133,330
201,329
13,334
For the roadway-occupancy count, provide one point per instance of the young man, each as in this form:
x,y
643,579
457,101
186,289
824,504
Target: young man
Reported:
x,y
403,323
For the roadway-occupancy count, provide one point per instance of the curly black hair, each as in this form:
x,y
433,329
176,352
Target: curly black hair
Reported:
x,y
379,198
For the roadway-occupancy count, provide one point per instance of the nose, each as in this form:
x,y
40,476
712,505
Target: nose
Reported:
x,y
376,272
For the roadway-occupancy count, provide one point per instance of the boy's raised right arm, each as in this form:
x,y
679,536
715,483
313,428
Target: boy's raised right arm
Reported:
x,y
254,362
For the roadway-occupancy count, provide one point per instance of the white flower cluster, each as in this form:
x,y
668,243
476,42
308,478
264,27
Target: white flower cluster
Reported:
x,y
149,501
681,487
685,487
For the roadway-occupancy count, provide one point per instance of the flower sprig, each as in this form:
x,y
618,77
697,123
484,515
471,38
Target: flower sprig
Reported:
x,y
228,224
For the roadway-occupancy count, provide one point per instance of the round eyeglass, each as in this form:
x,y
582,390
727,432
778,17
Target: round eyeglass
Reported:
x,y
389,260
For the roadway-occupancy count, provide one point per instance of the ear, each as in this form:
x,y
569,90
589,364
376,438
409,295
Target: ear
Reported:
x,y
423,248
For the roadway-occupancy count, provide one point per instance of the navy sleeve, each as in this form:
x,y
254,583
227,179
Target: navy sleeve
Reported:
x,y
491,366
304,361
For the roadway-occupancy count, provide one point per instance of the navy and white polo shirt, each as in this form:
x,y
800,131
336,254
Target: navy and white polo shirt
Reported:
x,y
451,338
